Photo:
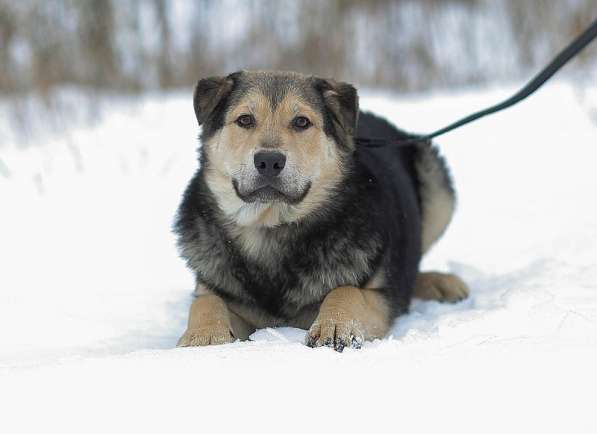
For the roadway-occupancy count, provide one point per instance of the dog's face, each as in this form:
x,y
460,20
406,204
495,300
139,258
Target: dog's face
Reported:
x,y
274,144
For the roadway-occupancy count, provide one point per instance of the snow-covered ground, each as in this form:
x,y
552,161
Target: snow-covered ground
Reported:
x,y
93,296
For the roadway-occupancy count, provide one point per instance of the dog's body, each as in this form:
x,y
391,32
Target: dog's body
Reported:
x,y
288,222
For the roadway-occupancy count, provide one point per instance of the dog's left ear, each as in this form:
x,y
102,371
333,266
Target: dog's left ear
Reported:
x,y
342,100
209,93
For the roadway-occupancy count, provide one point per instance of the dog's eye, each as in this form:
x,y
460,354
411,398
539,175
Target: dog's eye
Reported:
x,y
245,121
301,123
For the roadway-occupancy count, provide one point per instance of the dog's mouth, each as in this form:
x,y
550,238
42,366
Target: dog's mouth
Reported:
x,y
269,193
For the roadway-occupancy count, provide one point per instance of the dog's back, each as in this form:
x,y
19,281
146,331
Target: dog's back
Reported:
x,y
427,170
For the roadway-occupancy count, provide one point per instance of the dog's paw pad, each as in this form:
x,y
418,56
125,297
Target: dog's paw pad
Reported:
x,y
440,287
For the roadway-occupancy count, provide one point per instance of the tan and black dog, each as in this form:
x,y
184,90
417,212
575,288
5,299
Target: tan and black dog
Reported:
x,y
289,222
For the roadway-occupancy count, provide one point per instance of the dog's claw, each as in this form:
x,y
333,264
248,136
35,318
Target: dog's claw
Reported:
x,y
337,336
339,344
356,342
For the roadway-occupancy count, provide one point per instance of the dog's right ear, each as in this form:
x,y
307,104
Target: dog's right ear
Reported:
x,y
209,93
342,100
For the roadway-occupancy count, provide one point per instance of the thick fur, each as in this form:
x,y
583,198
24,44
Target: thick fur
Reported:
x,y
366,218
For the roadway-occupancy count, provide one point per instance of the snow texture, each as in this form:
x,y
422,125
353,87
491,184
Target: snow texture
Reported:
x,y
93,296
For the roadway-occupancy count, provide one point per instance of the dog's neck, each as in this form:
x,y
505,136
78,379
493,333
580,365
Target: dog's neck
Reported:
x,y
264,215
259,241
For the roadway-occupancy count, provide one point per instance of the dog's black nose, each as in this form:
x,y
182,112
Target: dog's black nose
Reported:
x,y
269,164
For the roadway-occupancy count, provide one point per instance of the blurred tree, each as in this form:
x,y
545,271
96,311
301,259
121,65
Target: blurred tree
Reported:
x,y
165,67
97,31
404,44
7,34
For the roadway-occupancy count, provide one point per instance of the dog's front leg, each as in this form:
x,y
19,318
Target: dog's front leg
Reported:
x,y
348,316
211,322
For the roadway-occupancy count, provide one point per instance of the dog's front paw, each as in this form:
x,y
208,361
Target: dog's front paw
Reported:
x,y
338,332
347,316
440,287
213,334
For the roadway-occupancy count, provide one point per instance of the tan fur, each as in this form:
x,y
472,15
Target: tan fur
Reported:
x,y
350,315
210,323
200,290
440,286
347,314
311,158
212,320
437,200
378,280
437,214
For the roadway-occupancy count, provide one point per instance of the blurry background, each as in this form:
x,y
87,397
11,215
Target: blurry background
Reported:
x,y
408,45
60,59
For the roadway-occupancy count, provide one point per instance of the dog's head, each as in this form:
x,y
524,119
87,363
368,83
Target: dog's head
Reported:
x,y
274,144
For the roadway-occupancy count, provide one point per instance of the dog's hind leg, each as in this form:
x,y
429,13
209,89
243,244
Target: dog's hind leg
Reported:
x,y
211,322
440,287
438,199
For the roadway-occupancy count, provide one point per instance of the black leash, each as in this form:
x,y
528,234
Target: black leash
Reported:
x,y
554,66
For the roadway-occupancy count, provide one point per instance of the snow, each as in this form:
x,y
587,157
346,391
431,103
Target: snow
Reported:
x,y
93,296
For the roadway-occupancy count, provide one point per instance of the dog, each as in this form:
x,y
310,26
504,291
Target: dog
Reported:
x,y
290,222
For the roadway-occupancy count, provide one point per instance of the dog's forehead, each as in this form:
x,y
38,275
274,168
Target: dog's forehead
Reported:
x,y
276,86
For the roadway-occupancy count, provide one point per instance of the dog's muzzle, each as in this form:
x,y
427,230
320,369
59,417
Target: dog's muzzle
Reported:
x,y
267,190
270,182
